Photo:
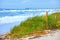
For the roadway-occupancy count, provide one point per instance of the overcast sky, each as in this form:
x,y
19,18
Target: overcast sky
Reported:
x,y
18,4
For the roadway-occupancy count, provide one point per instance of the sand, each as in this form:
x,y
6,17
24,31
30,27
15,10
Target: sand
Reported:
x,y
53,35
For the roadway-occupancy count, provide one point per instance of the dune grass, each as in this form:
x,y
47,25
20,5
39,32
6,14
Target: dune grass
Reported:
x,y
37,23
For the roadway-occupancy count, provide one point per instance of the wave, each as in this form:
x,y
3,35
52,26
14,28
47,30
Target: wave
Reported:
x,y
12,19
10,16
43,10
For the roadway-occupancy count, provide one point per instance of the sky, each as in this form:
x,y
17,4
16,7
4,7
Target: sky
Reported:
x,y
20,4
